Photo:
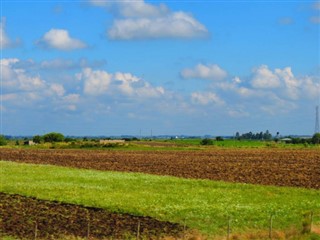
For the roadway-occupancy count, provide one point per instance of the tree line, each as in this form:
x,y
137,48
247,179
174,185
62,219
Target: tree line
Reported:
x,y
255,136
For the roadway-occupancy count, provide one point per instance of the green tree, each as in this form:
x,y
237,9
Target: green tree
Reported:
x,y
53,137
206,141
3,140
316,138
36,139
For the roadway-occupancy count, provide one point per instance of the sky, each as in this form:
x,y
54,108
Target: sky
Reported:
x,y
168,67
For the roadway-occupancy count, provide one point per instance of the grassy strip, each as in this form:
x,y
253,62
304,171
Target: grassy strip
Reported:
x,y
201,204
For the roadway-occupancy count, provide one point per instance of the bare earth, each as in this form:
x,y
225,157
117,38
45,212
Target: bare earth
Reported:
x,y
280,167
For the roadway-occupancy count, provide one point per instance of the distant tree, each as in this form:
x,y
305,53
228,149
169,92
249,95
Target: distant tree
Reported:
x,y
37,139
17,143
206,141
219,138
316,138
53,137
237,135
69,139
267,135
3,140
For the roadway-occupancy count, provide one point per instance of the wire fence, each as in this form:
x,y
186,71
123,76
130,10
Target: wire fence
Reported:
x,y
230,228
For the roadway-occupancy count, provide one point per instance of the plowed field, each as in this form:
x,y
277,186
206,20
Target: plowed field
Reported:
x,y
281,167
30,218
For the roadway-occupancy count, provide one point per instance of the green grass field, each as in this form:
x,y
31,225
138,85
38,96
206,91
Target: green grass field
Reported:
x,y
204,205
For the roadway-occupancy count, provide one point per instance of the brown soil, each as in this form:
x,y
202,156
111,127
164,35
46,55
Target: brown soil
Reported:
x,y
281,167
28,218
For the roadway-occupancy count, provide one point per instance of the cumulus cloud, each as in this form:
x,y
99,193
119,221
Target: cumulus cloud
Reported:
x,y
263,77
95,82
182,25
5,41
205,98
136,8
201,71
22,87
140,20
98,82
291,83
61,40
127,81
17,79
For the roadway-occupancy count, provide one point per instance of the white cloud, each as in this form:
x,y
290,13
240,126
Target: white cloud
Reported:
x,y
264,78
95,82
126,79
17,79
291,83
310,87
205,98
211,72
101,82
236,80
57,89
237,113
140,20
148,91
61,40
132,85
182,25
137,8
277,105
5,41
24,89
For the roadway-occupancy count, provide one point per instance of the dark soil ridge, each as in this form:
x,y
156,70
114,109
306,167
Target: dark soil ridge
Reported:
x,y
30,218
280,167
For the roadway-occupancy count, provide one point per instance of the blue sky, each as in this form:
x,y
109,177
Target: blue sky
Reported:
x,y
174,67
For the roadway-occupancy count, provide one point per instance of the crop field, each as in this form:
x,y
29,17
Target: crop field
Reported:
x,y
280,167
73,198
22,216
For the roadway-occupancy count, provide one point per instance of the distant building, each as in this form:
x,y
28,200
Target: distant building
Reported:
x,y
29,142
111,141
286,140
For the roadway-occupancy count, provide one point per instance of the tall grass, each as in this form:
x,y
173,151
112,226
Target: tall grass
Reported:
x,y
201,204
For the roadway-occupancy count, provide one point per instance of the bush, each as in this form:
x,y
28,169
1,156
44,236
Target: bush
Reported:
x,y
3,140
53,137
219,138
206,141
36,139
316,138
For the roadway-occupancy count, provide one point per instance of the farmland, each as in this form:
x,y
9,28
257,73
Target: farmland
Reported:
x,y
280,167
116,184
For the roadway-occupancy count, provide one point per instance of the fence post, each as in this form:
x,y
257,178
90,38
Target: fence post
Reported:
x,y
184,229
88,226
229,228
138,230
311,220
35,230
270,226
88,229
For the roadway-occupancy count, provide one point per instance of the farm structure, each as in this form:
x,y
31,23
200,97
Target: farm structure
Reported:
x,y
102,141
